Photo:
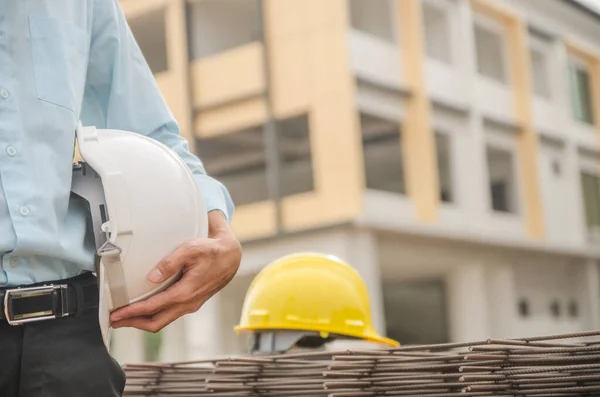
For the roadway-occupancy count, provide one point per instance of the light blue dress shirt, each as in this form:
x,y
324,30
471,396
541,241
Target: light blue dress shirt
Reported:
x,y
62,61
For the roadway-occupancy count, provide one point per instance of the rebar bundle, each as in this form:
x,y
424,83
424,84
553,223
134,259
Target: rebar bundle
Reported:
x,y
553,366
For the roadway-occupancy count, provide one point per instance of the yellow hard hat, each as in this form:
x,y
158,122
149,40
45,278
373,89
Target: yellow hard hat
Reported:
x,y
310,292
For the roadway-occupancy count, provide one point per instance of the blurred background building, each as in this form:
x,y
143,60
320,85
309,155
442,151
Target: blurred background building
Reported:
x,y
448,149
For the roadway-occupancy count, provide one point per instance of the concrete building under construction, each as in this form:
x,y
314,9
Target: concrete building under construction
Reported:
x,y
449,150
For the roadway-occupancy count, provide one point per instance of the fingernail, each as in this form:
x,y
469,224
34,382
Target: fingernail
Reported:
x,y
155,276
115,317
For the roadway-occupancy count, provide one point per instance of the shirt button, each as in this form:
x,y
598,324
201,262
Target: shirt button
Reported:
x,y
24,210
11,151
4,93
14,262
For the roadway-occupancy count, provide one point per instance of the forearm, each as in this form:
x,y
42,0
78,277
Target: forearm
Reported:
x,y
121,93
216,196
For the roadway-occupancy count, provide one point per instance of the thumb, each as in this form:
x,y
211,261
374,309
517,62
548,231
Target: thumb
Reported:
x,y
166,268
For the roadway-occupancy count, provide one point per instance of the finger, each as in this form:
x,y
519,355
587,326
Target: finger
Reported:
x,y
177,293
156,322
166,268
174,262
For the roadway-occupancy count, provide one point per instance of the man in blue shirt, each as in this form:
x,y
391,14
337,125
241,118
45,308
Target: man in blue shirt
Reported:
x,y
62,61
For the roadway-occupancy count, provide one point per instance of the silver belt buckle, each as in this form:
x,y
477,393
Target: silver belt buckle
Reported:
x,y
20,293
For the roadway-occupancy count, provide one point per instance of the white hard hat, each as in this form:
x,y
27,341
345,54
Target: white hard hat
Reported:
x,y
144,202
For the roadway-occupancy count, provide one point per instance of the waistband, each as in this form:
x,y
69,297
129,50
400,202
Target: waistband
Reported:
x,y
49,300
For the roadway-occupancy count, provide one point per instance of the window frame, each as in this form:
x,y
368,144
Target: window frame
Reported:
x,y
496,28
574,62
402,171
284,189
240,168
501,140
437,285
195,50
454,201
444,7
542,46
142,19
587,166
394,23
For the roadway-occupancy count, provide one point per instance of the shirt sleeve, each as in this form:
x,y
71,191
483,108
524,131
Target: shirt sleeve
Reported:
x,y
121,93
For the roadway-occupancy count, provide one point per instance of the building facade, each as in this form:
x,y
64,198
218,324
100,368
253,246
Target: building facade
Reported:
x,y
449,150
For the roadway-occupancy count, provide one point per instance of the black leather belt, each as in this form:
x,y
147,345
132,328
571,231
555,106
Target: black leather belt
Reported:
x,y
49,301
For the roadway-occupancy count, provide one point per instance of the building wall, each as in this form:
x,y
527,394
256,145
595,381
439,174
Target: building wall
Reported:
x,y
377,83
333,62
485,286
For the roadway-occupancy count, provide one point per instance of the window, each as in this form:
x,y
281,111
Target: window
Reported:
x,y
375,17
590,185
556,168
540,57
150,34
296,171
555,188
555,308
491,55
444,163
237,160
539,73
216,26
524,309
383,154
437,33
502,180
573,309
581,99
424,302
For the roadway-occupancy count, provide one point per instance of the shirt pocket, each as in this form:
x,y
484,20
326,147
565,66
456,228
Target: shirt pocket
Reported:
x,y
60,51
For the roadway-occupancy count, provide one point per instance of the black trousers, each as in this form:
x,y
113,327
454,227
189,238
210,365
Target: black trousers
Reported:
x,y
63,357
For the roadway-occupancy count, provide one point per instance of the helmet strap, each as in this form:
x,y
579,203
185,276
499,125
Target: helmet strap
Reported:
x,y
281,341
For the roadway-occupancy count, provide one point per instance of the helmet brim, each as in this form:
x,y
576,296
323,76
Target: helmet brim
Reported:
x,y
370,337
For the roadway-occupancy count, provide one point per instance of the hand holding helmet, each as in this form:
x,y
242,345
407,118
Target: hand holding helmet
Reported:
x,y
147,209
207,265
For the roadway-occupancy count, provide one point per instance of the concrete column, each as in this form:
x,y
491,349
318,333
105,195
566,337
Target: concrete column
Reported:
x,y
467,303
361,252
202,331
576,231
501,301
592,277
418,139
128,345
475,193
173,344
